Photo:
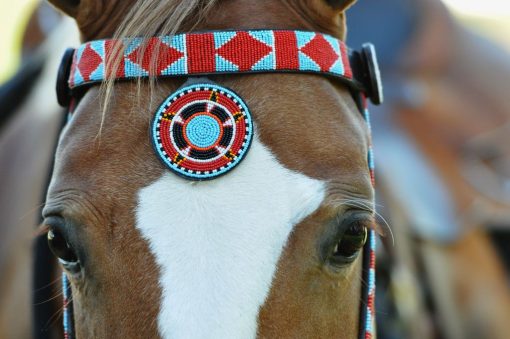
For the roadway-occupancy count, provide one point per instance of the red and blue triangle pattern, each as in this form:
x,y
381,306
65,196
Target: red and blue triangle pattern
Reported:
x,y
229,52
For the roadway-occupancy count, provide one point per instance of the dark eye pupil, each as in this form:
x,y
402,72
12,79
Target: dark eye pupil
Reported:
x,y
59,246
352,241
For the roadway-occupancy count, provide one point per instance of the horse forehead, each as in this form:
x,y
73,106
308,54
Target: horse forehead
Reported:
x,y
217,243
325,140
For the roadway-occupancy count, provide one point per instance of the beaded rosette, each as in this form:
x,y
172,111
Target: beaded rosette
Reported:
x,y
202,131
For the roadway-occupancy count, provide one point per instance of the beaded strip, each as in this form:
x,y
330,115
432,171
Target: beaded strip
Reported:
x,y
369,324
370,320
222,52
67,308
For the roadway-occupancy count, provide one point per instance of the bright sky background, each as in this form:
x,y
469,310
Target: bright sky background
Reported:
x,y
13,15
481,8
491,17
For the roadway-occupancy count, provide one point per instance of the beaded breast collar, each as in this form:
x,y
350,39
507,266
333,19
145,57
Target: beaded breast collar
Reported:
x,y
204,130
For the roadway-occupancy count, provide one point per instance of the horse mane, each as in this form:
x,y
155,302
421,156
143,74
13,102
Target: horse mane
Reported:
x,y
149,18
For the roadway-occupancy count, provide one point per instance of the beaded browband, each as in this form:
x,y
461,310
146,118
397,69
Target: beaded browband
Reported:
x,y
221,52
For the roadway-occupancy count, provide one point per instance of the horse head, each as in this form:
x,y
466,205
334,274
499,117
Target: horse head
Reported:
x,y
270,249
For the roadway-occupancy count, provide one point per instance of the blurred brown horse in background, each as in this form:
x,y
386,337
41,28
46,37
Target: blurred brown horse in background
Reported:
x,y
443,157
30,120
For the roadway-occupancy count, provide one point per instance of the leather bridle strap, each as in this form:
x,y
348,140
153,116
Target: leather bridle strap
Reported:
x,y
230,53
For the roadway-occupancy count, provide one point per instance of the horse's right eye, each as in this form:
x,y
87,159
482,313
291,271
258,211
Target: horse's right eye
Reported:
x,y
60,247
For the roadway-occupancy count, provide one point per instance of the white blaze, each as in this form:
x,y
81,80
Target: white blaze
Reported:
x,y
218,242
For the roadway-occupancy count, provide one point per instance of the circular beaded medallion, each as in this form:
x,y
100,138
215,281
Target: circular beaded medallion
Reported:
x,y
202,131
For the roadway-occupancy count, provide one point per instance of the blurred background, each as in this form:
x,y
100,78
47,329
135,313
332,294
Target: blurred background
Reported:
x,y
442,148
13,19
442,154
491,18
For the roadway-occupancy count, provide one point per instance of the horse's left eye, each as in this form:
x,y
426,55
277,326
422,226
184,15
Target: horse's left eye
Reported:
x,y
352,241
345,248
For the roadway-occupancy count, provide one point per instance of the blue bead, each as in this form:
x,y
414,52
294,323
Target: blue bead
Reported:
x,y
203,131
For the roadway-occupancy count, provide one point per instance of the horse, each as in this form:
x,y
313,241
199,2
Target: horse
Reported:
x,y
270,249
442,135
